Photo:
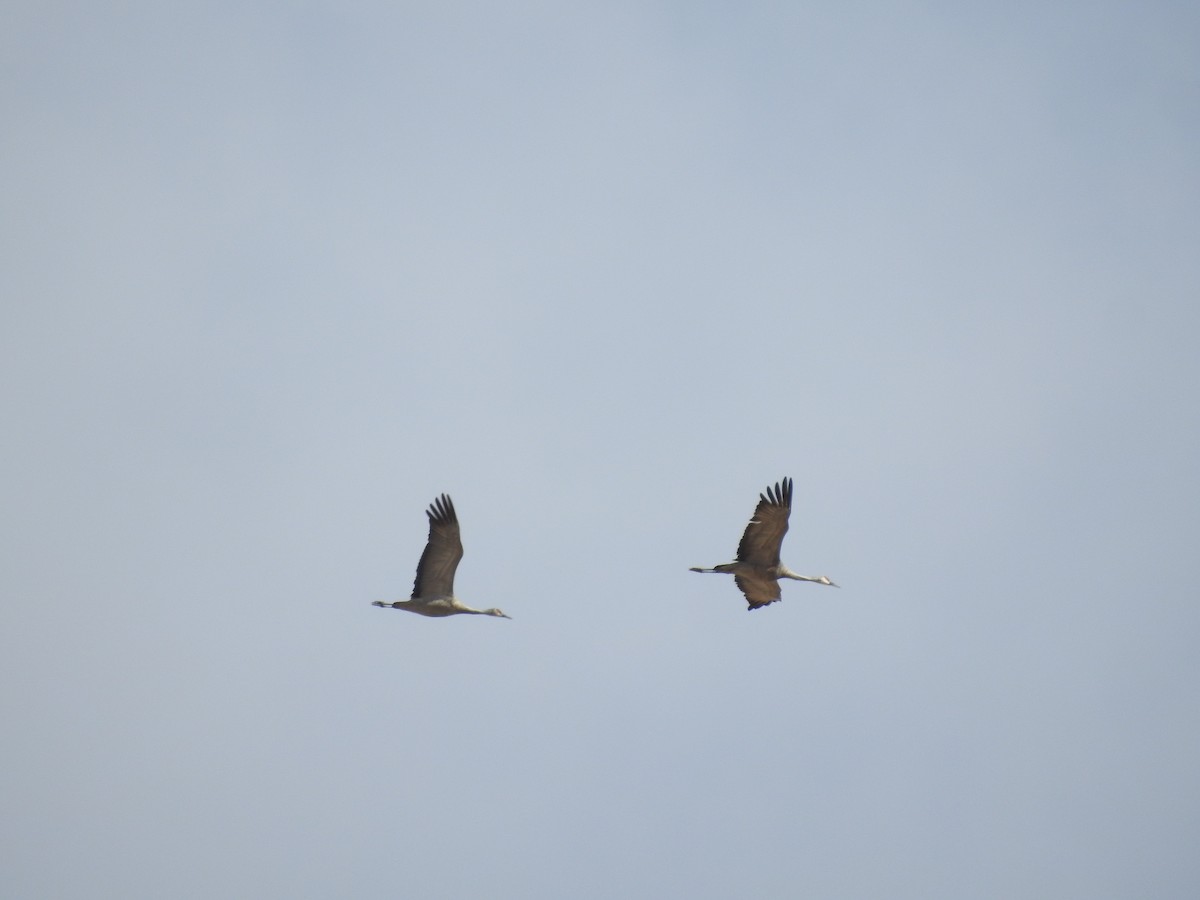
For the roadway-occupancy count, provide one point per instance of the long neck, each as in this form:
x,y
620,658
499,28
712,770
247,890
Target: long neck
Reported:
x,y
479,612
785,572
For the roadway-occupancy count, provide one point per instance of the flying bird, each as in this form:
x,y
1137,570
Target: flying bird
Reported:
x,y
757,570
433,591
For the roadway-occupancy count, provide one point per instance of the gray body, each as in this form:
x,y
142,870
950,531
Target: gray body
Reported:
x,y
757,569
433,589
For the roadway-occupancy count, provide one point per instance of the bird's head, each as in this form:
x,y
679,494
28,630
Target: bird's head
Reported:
x,y
823,580
496,612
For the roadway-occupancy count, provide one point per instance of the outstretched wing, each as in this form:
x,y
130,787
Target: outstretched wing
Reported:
x,y
443,550
758,589
764,535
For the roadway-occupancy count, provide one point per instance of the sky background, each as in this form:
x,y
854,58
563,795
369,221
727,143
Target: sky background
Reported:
x,y
274,276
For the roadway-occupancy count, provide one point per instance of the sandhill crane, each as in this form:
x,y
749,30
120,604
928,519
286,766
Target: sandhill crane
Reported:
x,y
433,591
757,570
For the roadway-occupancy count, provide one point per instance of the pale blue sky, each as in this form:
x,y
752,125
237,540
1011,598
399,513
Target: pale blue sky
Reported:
x,y
275,276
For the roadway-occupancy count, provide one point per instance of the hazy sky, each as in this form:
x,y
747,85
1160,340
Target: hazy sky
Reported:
x,y
276,275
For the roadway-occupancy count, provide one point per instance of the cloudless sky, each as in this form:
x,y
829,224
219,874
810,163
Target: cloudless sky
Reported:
x,y
274,276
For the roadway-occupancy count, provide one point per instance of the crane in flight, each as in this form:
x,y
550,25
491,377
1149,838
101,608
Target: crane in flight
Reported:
x,y
757,569
433,590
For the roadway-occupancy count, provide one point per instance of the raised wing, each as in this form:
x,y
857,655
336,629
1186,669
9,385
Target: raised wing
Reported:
x,y
759,590
443,550
764,535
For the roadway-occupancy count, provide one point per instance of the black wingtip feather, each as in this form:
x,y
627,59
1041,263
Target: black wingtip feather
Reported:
x,y
441,510
778,495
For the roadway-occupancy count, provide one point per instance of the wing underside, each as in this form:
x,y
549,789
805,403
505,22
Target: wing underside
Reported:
x,y
443,550
759,590
764,535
